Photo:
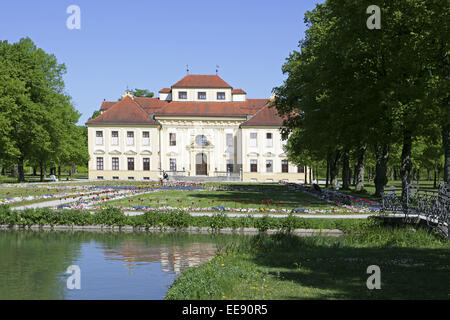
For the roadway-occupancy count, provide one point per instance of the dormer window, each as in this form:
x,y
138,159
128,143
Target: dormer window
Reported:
x,y
202,95
220,95
182,95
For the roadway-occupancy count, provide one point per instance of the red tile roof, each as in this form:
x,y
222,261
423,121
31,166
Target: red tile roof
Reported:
x,y
201,81
202,109
252,106
165,90
266,116
126,111
107,104
238,91
150,105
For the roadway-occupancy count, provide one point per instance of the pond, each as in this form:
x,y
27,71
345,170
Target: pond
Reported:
x,y
114,265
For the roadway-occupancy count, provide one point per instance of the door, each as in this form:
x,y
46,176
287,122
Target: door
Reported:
x,y
201,164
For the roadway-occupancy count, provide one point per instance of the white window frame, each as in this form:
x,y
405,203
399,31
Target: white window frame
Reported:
x,y
253,142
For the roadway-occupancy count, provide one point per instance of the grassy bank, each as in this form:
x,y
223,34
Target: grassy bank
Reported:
x,y
414,264
177,219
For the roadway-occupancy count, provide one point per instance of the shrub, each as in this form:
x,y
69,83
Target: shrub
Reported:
x,y
219,220
111,216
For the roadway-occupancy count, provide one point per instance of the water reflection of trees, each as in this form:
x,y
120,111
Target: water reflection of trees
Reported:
x,y
32,263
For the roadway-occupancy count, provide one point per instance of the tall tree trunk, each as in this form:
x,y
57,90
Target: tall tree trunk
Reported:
x,y
328,170
435,177
34,171
41,173
428,174
446,144
345,170
382,157
59,172
406,164
20,171
334,168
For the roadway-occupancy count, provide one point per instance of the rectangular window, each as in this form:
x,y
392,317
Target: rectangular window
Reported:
x,y
229,166
146,138
146,164
202,95
115,178
182,95
220,95
173,164
99,137
115,138
253,139
146,178
300,169
229,139
269,166
115,163
172,139
269,140
284,166
130,164
253,166
99,163
130,138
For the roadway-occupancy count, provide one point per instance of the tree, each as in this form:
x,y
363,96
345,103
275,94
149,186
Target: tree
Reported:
x,y
37,116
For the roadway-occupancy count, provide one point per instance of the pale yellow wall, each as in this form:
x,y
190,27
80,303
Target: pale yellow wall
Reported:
x,y
262,152
138,151
211,94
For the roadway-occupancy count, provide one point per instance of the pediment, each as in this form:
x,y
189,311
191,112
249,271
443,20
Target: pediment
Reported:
x,y
282,155
98,151
130,153
146,152
172,154
269,154
253,154
115,152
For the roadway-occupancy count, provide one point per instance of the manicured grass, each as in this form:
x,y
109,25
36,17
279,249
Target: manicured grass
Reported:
x,y
413,264
242,196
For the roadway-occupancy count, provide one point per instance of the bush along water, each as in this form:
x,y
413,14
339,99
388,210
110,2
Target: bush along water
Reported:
x,y
175,219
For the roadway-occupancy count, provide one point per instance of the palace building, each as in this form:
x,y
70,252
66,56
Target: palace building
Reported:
x,y
198,129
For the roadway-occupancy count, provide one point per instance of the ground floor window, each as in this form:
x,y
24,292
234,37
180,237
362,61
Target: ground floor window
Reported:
x,y
115,163
99,163
130,163
173,164
300,169
253,165
146,165
269,166
284,166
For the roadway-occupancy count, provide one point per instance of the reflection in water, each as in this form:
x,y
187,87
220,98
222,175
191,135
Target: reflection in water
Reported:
x,y
174,259
33,264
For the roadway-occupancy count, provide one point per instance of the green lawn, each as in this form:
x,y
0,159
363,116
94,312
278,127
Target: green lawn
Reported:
x,y
413,265
243,196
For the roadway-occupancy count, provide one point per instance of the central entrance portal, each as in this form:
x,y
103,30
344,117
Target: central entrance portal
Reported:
x,y
201,164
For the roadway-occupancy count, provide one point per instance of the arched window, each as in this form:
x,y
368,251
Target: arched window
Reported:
x,y
200,140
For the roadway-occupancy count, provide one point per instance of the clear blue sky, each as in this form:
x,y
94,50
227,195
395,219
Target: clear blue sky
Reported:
x,y
146,44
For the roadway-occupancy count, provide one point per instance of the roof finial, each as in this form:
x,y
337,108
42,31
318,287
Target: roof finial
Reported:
x,y
217,69
187,69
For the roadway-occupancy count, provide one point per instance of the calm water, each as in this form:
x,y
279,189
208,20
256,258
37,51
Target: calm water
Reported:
x,y
113,265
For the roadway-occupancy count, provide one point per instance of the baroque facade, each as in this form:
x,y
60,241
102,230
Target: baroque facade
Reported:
x,y
200,127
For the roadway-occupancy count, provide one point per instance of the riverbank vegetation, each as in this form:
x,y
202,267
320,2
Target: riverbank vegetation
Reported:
x,y
414,264
174,219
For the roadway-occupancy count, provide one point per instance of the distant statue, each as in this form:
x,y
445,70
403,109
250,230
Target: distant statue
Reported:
x,y
53,178
316,187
